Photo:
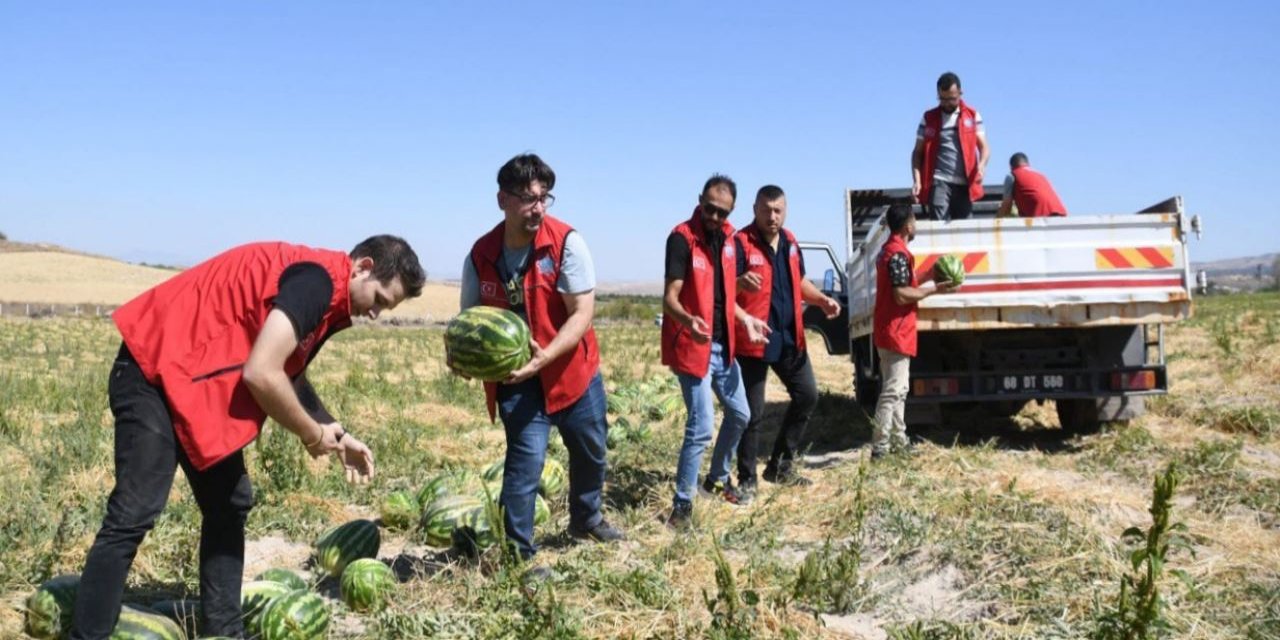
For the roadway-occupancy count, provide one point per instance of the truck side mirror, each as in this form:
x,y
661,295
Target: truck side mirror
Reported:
x,y
828,281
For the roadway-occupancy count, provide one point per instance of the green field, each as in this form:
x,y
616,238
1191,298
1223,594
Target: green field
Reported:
x,y
996,529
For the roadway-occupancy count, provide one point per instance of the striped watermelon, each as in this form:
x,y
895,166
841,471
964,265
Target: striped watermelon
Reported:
x,y
254,598
441,517
345,543
948,268
136,624
283,576
49,608
554,479
399,510
487,343
541,510
475,528
448,483
367,585
184,612
297,615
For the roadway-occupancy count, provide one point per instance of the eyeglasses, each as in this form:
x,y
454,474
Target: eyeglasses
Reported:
x,y
950,99
714,211
528,199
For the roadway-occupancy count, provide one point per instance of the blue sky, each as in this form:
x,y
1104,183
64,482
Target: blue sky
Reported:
x,y
167,132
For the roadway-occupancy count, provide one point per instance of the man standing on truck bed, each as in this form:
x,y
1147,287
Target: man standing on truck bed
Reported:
x,y
897,296
951,154
698,336
771,288
1030,190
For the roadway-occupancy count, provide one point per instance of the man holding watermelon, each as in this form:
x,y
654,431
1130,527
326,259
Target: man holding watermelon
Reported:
x,y
773,288
699,328
207,356
898,294
540,268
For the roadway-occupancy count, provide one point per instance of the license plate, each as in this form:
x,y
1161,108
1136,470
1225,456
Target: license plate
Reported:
x,y
1047,382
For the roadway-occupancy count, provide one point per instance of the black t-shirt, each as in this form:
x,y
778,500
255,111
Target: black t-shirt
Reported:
x,y
781,317
678,255
304,295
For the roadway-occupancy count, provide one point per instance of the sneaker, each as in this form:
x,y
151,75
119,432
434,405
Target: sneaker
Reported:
x,y
723,490
681,516
746,493
786,476
603,532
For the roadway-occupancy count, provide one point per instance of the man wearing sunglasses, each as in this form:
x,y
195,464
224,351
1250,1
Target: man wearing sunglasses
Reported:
x,y
539,267
698,336
951,154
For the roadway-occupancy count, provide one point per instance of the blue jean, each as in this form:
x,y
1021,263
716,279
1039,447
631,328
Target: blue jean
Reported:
x,y
724,379
583,427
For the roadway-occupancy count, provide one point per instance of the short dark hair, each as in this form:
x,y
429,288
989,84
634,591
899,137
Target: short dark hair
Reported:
x,y
898,216
769,193
721,179
520,171
393,257
948,80
1017,160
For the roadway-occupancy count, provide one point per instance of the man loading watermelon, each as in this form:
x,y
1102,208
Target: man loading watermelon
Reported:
x,y
897,296
540,268
206,357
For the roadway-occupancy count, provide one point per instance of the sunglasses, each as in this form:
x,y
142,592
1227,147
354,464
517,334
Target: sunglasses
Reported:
x,y
714,211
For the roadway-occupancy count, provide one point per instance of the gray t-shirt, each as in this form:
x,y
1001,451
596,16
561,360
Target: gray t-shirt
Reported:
x,y
577,271
949,166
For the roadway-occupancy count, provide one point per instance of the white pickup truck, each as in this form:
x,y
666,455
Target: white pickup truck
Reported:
x,y
1066,308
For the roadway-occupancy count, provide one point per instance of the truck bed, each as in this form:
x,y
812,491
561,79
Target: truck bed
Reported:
x,y
1077,271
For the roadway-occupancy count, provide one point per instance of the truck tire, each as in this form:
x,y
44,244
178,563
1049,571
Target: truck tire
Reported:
x,y
866,384
1078,416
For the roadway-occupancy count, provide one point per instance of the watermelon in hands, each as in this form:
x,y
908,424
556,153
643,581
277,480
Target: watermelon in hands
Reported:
x,y
487,343
948,270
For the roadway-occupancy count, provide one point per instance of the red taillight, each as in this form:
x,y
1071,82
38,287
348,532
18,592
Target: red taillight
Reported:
x,y
1133,380
936,387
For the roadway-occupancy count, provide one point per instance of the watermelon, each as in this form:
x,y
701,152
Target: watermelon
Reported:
x,y
475,528
541,511
283,576
345,543
441,517
399,510
254,598
49,609
449,483
487,343
136,624
184,612
297,615
367,584
554,479
948,268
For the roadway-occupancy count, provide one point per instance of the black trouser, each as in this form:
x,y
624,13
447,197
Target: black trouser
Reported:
x,y
950,201
796,374
146,455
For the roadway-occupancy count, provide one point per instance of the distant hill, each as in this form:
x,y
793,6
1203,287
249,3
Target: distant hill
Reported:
x,y
1238,266
41,273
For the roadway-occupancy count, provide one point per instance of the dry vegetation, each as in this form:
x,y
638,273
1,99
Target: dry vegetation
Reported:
x,y
998,528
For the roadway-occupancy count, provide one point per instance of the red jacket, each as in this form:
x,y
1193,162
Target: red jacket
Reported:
x,y
967,127
895,324
757,303
1034,195
565,379
697,296
192,334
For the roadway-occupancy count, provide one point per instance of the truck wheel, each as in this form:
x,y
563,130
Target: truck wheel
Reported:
x,y
1078,416
866,392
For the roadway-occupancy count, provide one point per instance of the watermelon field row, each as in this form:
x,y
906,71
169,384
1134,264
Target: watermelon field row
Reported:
x,y
997,528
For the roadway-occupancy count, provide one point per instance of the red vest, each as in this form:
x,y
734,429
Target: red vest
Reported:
x,y
967,128
757,303
565,379
1034,195
895,324
697,296
192,334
